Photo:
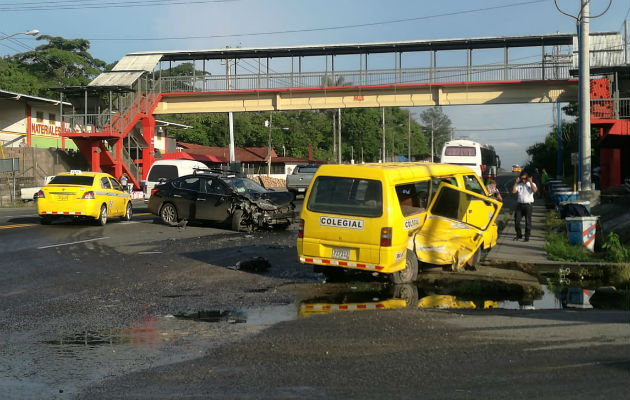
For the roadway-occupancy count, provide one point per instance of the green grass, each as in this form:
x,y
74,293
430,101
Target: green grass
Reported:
x,y
559,249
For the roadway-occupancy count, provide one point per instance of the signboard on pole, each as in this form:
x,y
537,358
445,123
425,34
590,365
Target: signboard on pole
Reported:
x,y
10,165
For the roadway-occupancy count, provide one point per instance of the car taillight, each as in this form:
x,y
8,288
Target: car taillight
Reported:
x,y
88,195
39,195
386,237
300,229
153,191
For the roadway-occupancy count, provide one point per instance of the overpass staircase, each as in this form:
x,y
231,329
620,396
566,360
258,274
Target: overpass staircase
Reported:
x,y
117,141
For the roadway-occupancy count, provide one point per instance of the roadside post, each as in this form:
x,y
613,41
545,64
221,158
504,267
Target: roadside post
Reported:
x,y
11,165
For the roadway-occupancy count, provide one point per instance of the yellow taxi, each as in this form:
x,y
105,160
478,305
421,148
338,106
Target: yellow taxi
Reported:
x,y
516,168
94,196
386,218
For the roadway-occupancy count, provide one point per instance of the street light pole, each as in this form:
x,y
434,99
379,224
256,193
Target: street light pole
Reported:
x,y
32,32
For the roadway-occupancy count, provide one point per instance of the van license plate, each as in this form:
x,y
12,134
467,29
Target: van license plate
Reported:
x,y
340,253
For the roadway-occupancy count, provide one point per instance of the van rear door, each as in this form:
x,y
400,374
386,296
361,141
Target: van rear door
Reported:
x,y
345,219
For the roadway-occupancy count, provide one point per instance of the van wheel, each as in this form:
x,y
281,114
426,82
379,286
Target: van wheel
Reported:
x,y
102,216
168,214
407,292
474,260
410,272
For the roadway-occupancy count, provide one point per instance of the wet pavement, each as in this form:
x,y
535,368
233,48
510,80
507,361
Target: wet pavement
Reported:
x,y
160,312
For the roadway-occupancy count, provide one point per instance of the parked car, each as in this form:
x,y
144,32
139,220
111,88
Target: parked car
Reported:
x,y
224,198
165,170
94,196
298,181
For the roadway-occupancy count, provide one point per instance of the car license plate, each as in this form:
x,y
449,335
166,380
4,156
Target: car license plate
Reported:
x,y
301,190
340,253
62,197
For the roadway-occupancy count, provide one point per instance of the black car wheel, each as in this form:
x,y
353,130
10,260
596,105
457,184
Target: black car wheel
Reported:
x,y
168,214
237,220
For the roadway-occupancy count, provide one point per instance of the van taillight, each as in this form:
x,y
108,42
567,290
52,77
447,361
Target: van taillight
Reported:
x,y
386,237
88,195
300,229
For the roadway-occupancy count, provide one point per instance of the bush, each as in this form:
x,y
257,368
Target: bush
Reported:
x,y
614,250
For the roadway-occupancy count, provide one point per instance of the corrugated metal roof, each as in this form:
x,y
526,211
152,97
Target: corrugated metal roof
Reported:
x,y
361,48
7,95
138,62
120,78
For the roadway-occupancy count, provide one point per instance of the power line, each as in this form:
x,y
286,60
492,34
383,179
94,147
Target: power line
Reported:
x,y
77,5
514,128
329,28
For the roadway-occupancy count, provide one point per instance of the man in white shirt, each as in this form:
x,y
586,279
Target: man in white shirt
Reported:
x,y
525,188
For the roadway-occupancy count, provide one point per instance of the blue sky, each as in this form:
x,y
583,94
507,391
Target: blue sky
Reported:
x,y
124,26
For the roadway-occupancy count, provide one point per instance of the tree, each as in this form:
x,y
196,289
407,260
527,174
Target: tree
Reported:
x,y
58,63
435,121
544,154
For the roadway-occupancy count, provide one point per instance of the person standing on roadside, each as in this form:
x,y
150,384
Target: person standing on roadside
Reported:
x,y
525,188
544,177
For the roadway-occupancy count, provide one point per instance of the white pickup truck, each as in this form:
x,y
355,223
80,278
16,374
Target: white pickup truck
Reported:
x,y
28,193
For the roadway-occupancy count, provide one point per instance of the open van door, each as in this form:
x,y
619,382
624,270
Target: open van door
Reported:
x,y
453,231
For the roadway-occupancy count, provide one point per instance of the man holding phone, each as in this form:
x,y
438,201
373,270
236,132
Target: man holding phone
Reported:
x,y
525,188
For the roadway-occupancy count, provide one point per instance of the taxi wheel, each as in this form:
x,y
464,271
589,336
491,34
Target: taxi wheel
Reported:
x,y
410,272
128,213
237,220
102,216
168,214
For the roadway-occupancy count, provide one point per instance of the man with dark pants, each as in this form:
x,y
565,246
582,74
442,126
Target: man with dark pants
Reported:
x,y
525,188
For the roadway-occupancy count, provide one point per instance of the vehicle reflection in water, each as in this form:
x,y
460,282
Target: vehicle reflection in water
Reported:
x,y
465,295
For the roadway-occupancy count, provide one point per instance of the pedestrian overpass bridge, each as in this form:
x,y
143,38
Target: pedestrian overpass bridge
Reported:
x,y
143,85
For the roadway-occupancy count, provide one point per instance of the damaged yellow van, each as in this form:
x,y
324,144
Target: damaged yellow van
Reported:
x,y
386,217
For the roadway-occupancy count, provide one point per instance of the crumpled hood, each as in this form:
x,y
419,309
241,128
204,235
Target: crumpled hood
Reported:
x,y
270,200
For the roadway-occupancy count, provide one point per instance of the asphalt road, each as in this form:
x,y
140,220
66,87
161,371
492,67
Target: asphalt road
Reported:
x,y
141,310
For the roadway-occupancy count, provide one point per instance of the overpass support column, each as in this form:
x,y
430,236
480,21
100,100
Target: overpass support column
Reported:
x,y
148,129
95,156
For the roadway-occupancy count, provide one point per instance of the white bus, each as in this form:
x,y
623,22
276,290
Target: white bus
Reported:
x,y
481,158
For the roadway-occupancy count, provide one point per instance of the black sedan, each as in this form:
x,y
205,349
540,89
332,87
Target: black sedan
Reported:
x,y
224,198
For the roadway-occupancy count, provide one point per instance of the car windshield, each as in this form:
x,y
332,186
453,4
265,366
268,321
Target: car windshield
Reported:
x,y
244,185
308,170
346,196
72,180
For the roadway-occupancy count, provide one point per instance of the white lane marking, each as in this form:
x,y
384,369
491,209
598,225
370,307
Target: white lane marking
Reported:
x,y
71,243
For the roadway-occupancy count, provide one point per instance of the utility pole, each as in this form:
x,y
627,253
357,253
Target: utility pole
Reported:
x,y
339,142
383,125
268,123
409,136
432,150
585,97
230,114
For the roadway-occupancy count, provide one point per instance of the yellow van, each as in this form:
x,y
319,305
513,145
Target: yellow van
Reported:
x,y
386,217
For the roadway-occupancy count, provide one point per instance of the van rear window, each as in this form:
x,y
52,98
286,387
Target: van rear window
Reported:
x,y
158,172
72,180
346,196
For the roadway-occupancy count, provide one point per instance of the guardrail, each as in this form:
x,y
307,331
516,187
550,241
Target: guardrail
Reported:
x,y
610,108
480,73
